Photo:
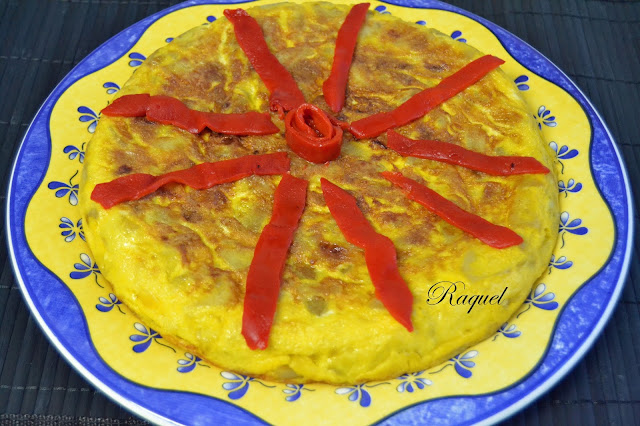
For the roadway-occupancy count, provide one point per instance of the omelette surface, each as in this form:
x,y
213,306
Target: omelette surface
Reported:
x,y
179,257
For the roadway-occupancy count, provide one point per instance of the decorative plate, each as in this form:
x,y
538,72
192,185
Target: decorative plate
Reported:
x,y
131,363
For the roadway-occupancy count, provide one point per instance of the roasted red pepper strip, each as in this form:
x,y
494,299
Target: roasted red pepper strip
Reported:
x,y
285,94
379,252
493,235
201,176
421,103
453,154
312,134
335,86
265,272
128,106
168,110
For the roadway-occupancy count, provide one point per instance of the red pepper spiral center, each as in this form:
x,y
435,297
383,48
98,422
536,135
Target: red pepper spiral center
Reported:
x,y
312,135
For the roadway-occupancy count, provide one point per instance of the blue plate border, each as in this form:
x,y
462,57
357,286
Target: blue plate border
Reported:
x,y
49,299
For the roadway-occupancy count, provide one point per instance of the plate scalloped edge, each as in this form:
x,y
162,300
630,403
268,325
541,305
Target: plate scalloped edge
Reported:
x,y
558,360
606,167
80,354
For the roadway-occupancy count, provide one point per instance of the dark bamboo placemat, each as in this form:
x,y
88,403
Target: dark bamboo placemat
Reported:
x,y
597,43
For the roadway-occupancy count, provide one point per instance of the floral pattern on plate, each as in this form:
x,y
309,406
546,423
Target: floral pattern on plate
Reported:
x,y
50,242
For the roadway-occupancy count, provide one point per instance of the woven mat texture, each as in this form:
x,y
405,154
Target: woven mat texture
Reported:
x,y
597,43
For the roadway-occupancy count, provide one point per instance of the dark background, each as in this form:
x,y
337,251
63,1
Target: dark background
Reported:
x,y
597,43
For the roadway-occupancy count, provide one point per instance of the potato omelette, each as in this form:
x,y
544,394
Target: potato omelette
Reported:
x,y
179,257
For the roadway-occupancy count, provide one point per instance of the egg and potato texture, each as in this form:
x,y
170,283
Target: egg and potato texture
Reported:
x,y
179,257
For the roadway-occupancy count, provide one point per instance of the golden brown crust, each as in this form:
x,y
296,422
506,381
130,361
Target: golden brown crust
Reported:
x,y
179,257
